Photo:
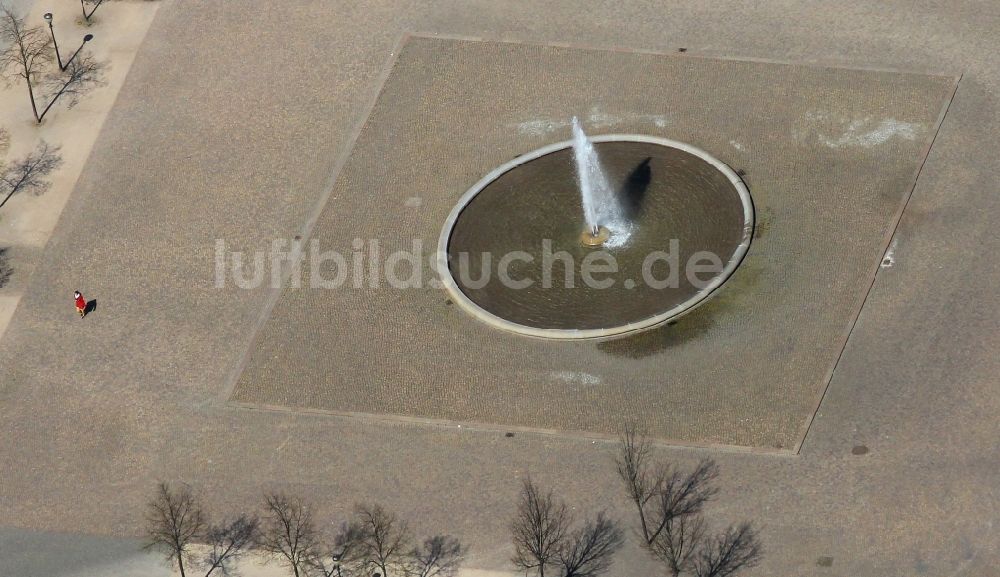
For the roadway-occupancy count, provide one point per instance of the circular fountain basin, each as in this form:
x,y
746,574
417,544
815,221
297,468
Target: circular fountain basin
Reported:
x,y
506,246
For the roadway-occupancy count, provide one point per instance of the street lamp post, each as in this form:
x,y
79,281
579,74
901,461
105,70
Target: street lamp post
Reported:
x,y
86,38
48,18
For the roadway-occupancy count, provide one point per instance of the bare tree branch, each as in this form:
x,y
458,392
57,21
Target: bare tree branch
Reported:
x,y
288,532
28,174
229,542
95,3
174,519
384,538
81,76
377,542
347,555
733,550
440,556
635,471
684,494
660,492
677,543
589,550
350,547
26,54
329,564
669,504
538,529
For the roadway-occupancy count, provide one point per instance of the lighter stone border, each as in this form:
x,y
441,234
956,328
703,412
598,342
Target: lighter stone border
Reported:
x,y
595,334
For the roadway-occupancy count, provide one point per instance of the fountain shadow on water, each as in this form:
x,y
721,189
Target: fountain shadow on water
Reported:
x,y
634,190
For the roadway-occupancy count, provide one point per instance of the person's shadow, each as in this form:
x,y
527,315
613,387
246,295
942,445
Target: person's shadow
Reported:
x,y
91,307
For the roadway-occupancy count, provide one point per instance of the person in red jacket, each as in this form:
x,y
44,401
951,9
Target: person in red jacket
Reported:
x,y
81,304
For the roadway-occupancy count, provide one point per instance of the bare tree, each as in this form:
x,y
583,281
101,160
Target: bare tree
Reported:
x,y
384,539
344,557
288,532
326,564
676,546
229,542
174,519
641,482
377,542
81,75
538,529
660,492
83,6
26,54
544,538
737,548
439,556
28,174
670,504
589,550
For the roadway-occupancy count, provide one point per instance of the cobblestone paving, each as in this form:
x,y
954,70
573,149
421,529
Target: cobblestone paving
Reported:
x,y
232,120
830,154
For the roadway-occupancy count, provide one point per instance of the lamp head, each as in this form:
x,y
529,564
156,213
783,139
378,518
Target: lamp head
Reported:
x,y
48,17
88,37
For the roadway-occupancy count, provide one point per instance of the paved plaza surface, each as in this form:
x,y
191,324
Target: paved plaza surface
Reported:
x,y
235,122
747,369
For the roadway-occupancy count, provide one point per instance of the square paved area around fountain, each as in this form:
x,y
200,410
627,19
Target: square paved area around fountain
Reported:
x,y
830,156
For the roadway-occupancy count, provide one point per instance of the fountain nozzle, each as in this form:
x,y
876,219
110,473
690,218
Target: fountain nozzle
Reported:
x,y
595,236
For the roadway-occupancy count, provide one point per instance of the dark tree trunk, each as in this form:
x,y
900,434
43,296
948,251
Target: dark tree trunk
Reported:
x,y
31,95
